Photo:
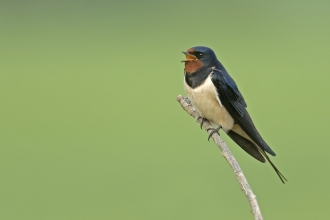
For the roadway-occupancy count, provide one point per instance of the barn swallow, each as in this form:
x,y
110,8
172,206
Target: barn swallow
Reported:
x,y
216,97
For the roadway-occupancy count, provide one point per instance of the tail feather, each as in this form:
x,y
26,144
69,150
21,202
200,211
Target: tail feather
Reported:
x,y
246,145
255,151
280,175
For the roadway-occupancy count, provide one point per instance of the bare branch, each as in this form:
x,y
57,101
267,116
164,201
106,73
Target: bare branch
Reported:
x,y
185,104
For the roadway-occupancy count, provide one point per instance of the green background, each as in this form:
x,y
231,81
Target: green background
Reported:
x,y
90,127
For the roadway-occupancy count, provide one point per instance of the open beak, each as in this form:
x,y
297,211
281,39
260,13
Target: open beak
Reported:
x,y
189,57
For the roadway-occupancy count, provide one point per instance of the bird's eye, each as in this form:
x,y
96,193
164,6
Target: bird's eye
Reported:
x,y
201,55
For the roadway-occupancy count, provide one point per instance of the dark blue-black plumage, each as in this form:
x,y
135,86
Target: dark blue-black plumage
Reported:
x,y
234,102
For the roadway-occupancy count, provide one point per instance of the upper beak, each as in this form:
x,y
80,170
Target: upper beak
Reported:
x,y
189,57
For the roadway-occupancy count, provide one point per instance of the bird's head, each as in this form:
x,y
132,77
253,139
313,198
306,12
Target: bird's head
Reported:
x,y
197,57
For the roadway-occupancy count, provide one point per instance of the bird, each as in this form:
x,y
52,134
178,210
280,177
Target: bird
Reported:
x,y
216,97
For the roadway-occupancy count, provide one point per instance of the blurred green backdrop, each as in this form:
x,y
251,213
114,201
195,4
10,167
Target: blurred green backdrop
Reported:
x,y
90,127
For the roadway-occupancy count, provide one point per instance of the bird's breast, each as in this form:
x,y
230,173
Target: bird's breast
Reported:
x,y
205,99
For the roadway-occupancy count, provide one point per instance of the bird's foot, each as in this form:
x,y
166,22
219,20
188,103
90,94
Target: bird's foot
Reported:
x,y
214,130
203,120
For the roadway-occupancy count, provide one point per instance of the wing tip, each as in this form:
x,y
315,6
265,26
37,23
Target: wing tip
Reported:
x,y
268,150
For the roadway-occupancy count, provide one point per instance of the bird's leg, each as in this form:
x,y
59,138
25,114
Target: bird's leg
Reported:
x,y
203,120
214,130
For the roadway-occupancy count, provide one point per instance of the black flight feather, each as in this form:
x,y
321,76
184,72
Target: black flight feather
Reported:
x,y
234,102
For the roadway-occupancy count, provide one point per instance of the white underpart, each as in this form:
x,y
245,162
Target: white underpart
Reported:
x,y
205,99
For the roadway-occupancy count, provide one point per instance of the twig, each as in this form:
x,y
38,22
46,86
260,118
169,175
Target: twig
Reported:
x,y
185,104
